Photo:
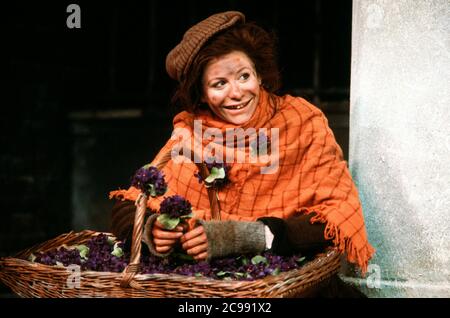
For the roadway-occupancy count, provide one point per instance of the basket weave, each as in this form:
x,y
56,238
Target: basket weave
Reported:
x,y
29,279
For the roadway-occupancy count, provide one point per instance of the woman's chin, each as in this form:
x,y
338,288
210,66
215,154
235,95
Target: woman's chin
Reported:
x,y
238,120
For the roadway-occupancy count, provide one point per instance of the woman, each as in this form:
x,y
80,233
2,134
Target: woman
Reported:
x,y
227,77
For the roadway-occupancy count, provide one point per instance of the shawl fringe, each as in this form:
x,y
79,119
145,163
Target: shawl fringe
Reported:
x,y
343,243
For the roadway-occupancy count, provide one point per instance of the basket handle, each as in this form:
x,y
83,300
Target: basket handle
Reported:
x,y
141,207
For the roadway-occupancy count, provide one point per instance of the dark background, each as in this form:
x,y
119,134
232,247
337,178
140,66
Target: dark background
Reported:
x,y
86,107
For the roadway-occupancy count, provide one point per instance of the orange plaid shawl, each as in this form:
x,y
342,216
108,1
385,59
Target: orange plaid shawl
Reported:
x,y
312,176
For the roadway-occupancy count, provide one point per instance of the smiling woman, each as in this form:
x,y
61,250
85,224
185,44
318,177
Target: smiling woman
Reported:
x,y
227,75
244,50
231,87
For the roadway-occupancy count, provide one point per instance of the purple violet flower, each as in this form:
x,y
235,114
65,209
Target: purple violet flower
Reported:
x,y
100,258
175,206
218,183
150,181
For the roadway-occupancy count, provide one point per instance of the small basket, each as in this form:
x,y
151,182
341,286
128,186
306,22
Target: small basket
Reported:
x,y
29,279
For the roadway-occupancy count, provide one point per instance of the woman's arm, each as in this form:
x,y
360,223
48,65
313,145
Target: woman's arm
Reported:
x,y
292,235
122,219
222,238
296,234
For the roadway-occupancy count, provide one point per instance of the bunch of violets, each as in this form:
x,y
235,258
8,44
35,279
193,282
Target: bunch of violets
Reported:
x,y
101,257
174,210
218,177
62,255
175,206
150,181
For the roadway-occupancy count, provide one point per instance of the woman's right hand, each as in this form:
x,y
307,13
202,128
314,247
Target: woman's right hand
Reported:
x,y
165,239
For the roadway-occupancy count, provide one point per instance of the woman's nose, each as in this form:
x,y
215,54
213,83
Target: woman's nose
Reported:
x,y
235,92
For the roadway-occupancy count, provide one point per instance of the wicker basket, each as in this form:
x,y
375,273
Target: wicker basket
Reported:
x,y
29,279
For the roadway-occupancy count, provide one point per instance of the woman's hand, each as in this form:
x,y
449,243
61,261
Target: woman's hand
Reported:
x,y
195,243
165,239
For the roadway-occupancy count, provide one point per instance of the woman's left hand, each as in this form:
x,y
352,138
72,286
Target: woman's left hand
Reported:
x,y
195,243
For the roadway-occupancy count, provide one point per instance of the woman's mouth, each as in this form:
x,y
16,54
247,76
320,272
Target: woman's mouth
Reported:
x,y
237,106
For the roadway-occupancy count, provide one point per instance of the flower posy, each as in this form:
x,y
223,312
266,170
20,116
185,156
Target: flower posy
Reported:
x,y
217,175
150,181
173,210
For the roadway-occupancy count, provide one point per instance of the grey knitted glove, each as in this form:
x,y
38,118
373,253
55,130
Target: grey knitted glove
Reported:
x,y
234,237
147,236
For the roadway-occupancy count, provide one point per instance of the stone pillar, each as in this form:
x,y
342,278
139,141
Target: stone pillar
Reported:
x,y
399,151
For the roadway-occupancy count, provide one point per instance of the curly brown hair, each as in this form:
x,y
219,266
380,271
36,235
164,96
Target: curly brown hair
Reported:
x,y
249,38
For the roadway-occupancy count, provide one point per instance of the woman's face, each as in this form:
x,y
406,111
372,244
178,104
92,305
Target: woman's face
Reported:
x,y
231,87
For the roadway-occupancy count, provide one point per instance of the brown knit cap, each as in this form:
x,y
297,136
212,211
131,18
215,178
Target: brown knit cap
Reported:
x,y
180,58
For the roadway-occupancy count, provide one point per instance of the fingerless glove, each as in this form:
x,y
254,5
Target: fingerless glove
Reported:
x,y
234,237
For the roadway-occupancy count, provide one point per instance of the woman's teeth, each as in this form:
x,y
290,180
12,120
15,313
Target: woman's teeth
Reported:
x,y
236,106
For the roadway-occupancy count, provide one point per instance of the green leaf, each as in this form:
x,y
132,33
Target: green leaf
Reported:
x,y
222,273
239,274
198,275
188,216
84,250
32,257
215,174
117,250
152,190
167,222
111,240
259,259
245,261
276,271
300,259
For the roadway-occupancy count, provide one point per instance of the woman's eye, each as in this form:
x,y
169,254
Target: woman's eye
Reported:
x,y
245,76
219,84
